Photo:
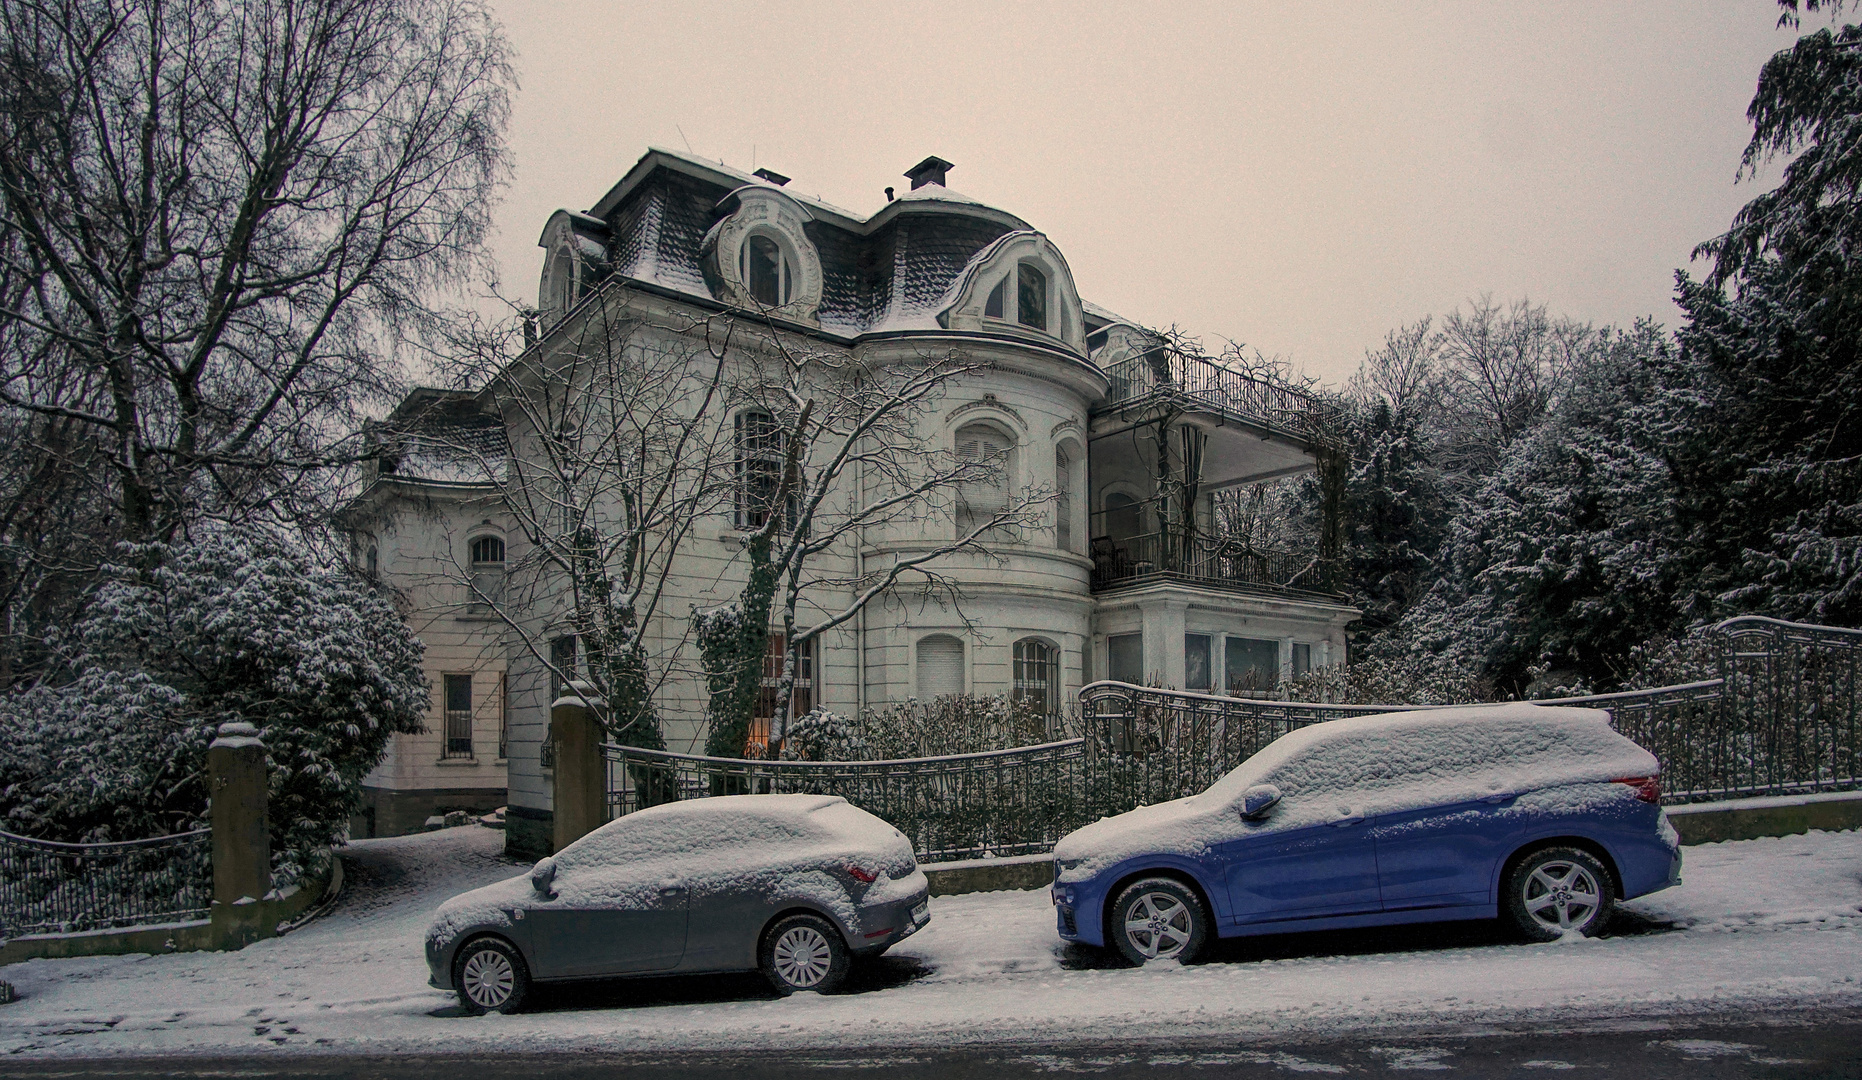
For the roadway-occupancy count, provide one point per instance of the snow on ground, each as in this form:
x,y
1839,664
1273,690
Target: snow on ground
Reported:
x,y
1772,923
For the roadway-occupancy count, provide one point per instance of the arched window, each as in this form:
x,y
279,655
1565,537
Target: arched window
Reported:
x,y
487,570
759,468
940,667
487,549
983,492
1037,676
767,273
1030,296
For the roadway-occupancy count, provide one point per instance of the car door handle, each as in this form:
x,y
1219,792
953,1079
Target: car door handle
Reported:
x,y
1344,822
670,888
1500,797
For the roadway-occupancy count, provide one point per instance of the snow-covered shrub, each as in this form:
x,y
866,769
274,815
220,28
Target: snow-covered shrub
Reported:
x,y
951,725
233,626
1392,680
823,736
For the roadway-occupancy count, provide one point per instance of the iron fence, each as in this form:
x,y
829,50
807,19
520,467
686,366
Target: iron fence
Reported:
x,y
1001,802
47,887
1781,720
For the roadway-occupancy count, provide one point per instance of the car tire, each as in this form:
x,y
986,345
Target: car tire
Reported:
x,y
804,952
1559,890
491,976
1158,919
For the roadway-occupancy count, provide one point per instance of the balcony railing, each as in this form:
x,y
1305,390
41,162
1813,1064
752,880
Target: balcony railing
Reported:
x,y
1204,560
1171,376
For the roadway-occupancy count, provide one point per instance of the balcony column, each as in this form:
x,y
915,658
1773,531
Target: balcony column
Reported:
x,y
1163,642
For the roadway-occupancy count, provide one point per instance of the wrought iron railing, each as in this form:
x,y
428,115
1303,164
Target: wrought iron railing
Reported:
x,y
1782,720
1203,560
1166,375
1001,802
47,887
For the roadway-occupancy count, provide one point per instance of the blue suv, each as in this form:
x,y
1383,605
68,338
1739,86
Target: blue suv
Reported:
x,y
1542,816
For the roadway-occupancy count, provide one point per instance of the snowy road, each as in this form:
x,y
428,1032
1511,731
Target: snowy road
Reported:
x,y
1765,925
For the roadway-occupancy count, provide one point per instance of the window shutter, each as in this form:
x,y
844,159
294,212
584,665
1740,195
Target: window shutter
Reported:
x,y
940,667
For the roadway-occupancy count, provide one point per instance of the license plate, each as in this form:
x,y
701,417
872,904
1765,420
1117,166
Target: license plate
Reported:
x,y
921,913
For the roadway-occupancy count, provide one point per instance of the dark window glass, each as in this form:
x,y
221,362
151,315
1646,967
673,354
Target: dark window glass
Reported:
x,y
504,715
1037,675
764,272
1063,500
488,549
1302,658
1253,666
1125,658
458,716
1124,517
759,468
562,661
1196,661
1031,297
998,297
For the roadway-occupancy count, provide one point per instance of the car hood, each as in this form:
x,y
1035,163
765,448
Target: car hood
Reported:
x,y
1179,827
488,906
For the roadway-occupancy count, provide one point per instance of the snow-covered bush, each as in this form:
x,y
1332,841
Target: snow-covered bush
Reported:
x,y
184,637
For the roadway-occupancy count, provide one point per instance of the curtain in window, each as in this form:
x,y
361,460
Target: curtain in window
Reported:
x,y
985,495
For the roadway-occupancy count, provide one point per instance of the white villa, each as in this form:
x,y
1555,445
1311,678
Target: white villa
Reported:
x,y
1081,404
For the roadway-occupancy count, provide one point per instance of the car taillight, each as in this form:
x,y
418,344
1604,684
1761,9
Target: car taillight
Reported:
x,y
862,875
1648,788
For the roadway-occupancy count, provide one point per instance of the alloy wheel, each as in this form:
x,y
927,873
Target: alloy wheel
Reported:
x,y
1158,925
1562,896
803,957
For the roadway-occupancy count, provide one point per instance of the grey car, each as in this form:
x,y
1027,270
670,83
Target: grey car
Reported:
x,y
796,885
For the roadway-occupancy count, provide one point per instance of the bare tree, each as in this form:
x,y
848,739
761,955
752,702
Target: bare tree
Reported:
x,y
217,217
1501,369
849,433
619,452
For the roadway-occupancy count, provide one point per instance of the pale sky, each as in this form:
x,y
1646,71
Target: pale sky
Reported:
x,y
1297,177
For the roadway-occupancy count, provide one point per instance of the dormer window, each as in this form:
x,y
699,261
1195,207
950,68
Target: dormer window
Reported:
x,y
1030,296
767,273
998,298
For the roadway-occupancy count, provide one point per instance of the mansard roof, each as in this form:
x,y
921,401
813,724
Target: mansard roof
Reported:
x,y
891,272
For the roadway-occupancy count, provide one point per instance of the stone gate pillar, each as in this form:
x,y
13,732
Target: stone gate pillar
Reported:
x,y
242,844
580,803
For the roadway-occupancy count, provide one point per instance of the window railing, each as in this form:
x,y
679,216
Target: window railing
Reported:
x,y
458,734
1205,560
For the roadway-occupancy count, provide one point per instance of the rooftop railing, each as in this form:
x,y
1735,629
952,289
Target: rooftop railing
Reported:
x,y
1165,375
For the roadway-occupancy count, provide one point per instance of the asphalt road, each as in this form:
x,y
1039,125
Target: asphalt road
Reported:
x,y
1820,1044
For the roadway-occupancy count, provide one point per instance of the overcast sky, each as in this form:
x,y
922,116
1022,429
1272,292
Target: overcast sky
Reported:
x,y
1297,177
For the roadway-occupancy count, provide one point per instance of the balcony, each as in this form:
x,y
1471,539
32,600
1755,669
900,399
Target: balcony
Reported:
x,y
1208,562
1167,376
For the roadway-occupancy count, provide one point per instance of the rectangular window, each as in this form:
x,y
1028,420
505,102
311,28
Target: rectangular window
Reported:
x,y
760,459
1063,501
801,701
1037,676
458,717
1253,666
562,666
1302,658
1125,658
1196,661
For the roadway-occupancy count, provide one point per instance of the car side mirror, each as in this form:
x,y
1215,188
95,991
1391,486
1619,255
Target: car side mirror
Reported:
x,y
1259,801
542,875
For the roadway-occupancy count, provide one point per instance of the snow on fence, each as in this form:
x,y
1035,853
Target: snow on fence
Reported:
x,y
1781,720
47,887
1001,802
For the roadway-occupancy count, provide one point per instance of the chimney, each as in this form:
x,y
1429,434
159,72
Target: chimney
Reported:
x,y
929,171
772,176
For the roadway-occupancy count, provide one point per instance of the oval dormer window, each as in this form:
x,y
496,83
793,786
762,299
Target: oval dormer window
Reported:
x,y
1030,296
767,274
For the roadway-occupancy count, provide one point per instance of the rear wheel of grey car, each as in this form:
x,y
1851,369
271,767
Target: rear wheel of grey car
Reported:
x,y
491,976
1158,919
1559,890
804,952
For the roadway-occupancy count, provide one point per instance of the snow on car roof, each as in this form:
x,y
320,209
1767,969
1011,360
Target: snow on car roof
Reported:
x,y
1512,745
707,827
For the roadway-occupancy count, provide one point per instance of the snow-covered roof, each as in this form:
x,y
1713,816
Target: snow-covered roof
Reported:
x,y
441,436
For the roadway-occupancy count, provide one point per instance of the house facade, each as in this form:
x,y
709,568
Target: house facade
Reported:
x,y
1116,443
429,528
